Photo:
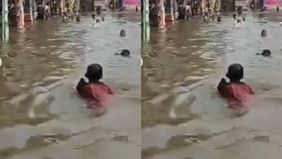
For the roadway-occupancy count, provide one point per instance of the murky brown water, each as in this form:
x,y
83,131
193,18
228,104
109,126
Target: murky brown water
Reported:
x,y
188,52
49,51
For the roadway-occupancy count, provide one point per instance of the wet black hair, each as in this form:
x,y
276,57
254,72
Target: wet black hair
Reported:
x,y
94,72
263,32
235,72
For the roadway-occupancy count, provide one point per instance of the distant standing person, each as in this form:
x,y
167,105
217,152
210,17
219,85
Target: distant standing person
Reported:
x,y
234,16
218,18
277,9
98,10
111,5
93,16
93,19
40,12
65,17
206,17
252,5
13,15
187,12
47,11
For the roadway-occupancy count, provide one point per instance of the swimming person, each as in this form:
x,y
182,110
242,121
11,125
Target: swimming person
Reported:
x,y
263,33
122,33
236,92
98,94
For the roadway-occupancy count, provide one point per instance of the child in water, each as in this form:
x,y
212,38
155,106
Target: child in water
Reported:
x,y
97,93
237,93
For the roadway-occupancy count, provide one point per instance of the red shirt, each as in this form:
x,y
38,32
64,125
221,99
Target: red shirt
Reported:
x,y
238,94
97,95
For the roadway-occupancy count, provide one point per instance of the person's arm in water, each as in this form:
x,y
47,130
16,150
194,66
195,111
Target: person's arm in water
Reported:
x,y
221,86
81,86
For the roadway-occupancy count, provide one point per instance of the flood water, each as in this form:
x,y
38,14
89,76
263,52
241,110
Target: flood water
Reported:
x,y
182,65
41,67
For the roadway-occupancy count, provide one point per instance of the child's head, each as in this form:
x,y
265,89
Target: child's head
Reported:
x,y
94,72
235,72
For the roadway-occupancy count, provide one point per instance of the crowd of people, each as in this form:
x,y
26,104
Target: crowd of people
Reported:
x,y
187,11
46,11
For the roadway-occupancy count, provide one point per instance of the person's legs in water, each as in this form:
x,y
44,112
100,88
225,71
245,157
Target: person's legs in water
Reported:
x,y
205,18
